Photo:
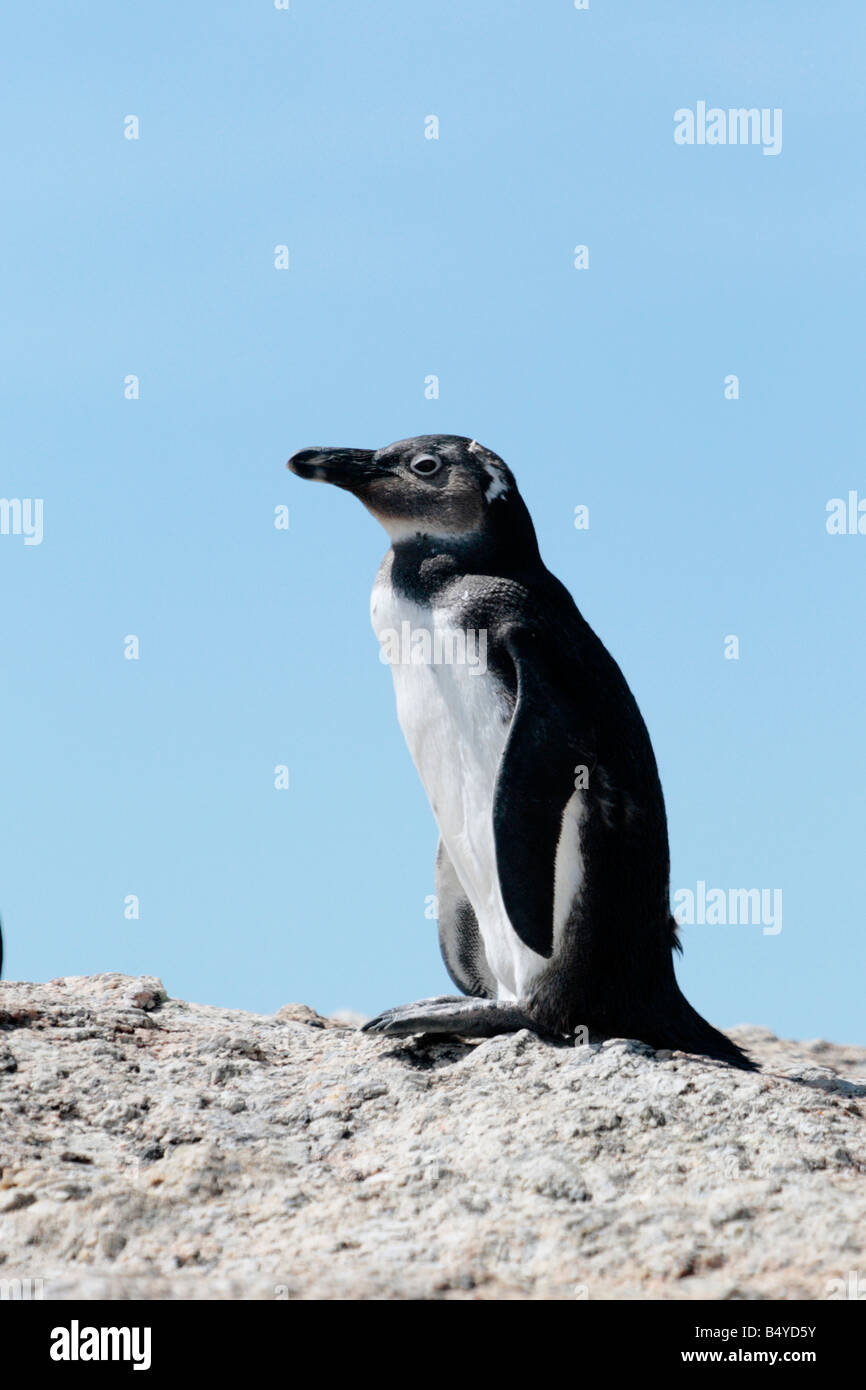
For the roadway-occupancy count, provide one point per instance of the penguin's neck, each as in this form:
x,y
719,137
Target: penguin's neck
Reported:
x,y
507,551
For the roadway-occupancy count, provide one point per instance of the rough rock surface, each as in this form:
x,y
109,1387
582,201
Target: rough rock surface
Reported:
x,y
153,1148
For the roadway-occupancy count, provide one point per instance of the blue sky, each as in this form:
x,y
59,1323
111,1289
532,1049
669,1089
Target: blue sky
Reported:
x,y
602,387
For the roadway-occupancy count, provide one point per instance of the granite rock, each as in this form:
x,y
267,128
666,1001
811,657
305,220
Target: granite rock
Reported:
x,y
151,1148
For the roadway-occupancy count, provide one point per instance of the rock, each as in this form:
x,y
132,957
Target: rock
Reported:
x,y
349,1018
156,1149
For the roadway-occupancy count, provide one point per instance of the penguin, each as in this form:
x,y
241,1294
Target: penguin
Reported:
x,y
553,867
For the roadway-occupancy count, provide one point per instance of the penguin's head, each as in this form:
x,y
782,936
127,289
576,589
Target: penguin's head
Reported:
x,y
436,485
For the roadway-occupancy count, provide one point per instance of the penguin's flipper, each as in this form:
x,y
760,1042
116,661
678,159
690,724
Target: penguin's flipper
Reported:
x,y
469,1018
535,781
459,938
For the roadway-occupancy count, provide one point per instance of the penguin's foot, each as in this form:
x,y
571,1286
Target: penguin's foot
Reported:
x,y
451,1013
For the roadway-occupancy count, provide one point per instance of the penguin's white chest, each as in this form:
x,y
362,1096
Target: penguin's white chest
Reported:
x,y
455,719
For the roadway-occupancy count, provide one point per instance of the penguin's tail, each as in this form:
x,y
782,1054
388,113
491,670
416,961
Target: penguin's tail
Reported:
x,y
685,1030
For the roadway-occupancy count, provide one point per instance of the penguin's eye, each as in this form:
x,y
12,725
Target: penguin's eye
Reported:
x,y
425,464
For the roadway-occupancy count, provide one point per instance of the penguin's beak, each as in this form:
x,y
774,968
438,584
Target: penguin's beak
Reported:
x,y
344,467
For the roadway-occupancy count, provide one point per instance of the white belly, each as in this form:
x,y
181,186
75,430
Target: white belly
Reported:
x,y
456,723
